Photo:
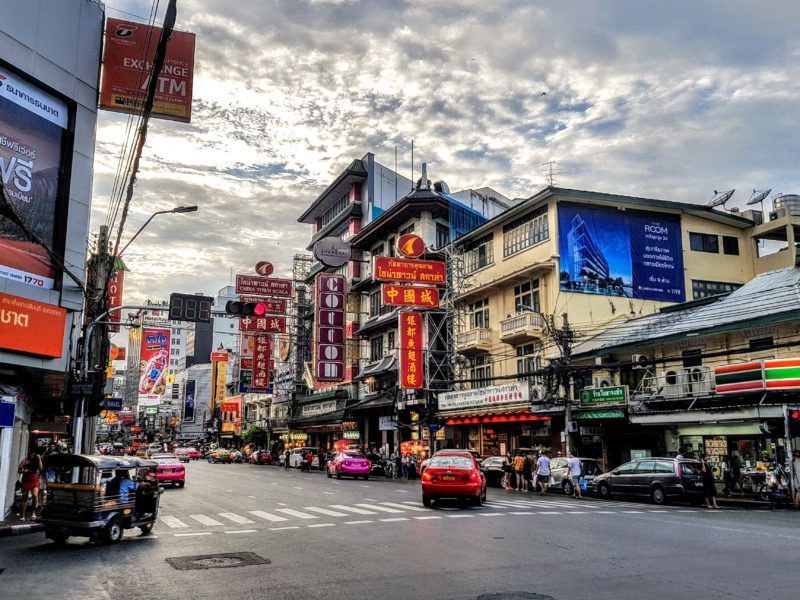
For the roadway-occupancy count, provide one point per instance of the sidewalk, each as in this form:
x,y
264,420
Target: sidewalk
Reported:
x,y
14,526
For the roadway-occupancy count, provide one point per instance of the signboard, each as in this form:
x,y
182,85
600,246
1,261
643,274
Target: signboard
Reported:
x,y
189,401
273,306
150,400
319,408
264,268
33,127
261,363
631,253
219,376
408,295
614,395
114,295
219,357
351,435
332,251
112,404
130,49
388,268
387,423
410,245
117,352
154,360
412,374
190,307
509,393
329,354
7,411
31,326
743,377
266,324
263,286
782,374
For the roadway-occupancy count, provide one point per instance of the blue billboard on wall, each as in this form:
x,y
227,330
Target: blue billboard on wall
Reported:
x,y
630,254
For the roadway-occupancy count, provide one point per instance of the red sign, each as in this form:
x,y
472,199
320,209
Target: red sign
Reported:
x,y
154,361
219,357
129,51
330,304
231,408
264,268
263,286
267,324
387,268
114,294
274,306
32,327
261,363
412,375
407,295
117,352
247,364
410,245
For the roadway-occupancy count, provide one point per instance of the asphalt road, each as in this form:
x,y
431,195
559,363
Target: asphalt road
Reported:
x,y
329,539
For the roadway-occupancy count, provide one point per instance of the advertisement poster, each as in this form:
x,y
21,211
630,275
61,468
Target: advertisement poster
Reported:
x,y
412,376
32,327
32,127
188,403
154,360
127,62
632,254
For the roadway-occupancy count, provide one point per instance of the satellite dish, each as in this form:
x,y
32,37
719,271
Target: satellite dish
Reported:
x,y
757,196
720,198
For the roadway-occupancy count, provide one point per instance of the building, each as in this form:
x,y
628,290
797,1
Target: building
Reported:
x,y
49,66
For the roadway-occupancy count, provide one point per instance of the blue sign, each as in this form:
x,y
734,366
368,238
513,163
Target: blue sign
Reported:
x,y
112,404
7,414
434,427
631,254
188,403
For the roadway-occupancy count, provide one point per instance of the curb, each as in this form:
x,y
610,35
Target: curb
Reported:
x,y
23,529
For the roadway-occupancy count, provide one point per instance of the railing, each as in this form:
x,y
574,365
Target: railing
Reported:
x,y
520,322
474,336
676,384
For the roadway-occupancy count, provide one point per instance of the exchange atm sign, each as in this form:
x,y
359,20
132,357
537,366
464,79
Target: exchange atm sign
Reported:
x,y
330,323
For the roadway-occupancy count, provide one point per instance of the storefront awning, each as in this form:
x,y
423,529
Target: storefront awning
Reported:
x,y
326,419
326,395
386,364
494,416
600,413
377,401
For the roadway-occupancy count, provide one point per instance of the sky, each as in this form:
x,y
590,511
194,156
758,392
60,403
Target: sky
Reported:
x,y
669,100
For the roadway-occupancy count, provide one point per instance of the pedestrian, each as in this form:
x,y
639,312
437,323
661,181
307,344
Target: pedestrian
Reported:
x,y
725,467
507,468
574,471
406,462
709,485
30,468
398,465
286,458
519,461
527,473
543,472
736,472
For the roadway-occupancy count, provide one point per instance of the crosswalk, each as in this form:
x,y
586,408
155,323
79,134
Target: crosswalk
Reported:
x,y
281,518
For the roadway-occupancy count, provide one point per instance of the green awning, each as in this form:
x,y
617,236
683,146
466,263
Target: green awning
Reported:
x,y
604,413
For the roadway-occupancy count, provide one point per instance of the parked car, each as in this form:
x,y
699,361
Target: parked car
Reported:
x,y
558,471
194,453
183,454
298,455
236,456
220,455
349,462
260,457
117,449
453,476
170,470
492,469
660,479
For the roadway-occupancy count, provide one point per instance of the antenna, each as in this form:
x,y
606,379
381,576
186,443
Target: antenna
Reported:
x,y
550,172
758,196
720,198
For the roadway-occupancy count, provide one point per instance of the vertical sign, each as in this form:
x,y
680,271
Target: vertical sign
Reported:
x,y
330,333
412,375
115,297
219,377
188,402
261,360
154,359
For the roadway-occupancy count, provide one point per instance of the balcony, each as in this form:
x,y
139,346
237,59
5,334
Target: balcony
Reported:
x,y
677,384
474,340
522,327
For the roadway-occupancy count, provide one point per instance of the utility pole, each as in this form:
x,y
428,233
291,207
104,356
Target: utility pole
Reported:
x,y
565,346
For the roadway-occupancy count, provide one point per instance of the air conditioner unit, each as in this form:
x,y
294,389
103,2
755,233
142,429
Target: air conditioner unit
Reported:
x,y
600,382
572,426
538,393
642,361
599,361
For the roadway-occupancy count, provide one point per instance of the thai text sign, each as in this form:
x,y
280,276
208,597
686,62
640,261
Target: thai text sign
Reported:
x,y
30,326
412,376
509,393
261,359
266,324
329,355
388,268
127,64
273,306
407,295
154,360
616,394
263,286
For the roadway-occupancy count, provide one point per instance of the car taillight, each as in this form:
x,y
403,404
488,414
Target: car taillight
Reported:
x,y
678,469
427,476
473,475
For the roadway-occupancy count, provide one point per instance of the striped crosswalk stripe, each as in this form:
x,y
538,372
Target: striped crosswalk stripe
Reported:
x,y
205,520
296,513
172,522
405,506
358,511
267,516
325,511
235,518
381,508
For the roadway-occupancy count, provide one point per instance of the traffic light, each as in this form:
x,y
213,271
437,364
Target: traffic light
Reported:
x,y
246,309
190,307
794,422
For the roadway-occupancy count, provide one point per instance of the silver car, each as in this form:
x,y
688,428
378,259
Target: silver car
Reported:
x,y
558,471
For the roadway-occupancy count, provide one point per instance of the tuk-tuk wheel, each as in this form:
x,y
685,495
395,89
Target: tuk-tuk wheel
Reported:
x,y
113,532
59,537
146,529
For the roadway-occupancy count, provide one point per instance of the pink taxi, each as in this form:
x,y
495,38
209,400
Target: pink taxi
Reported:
x,y
349,462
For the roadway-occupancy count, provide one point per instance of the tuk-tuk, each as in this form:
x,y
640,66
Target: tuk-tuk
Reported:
x,y
99,496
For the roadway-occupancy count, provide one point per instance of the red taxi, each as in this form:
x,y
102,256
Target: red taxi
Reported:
x,y
170,470
455,475
349,462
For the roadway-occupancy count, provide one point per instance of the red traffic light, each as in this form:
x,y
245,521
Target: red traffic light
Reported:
x,y
796,415
260,309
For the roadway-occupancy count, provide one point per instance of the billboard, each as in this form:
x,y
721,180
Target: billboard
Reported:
x,y
32,327
265,324
154,359
388,268
189,401
33,126
329,353
412,375
263,286
631,254
127,62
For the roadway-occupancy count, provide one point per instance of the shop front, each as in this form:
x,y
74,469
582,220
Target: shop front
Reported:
x,y
603,431
320,417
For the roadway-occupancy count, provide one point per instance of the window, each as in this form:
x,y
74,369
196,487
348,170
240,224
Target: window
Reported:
x,y
692,358
409,229
527,294
525,232
442,235
479,254
704,242
479,314
626,469
529,359
391,245
175,352
480,371
704,289
663,466
730,245
762,343
646,466
332,212
390,341
374,304
378,250
376,348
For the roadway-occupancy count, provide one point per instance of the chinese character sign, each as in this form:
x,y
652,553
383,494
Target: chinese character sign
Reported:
x,y
412,376
406,295
266,323
329,354
261,361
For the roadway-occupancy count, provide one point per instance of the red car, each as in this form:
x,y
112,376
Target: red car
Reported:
x,y
349,462
170,470
260,457
453,476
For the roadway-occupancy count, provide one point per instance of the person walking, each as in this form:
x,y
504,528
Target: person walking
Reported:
x,y
574,472
725,467
709,485
543,472
736,472
398,465
527,473
30,468
406,464
286,458
518,463
508,466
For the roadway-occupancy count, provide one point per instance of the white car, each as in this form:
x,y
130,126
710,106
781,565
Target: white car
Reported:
x,y
298,455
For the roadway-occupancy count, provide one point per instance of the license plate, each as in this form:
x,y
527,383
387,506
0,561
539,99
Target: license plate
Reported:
x,y
698,484
448,477
167,470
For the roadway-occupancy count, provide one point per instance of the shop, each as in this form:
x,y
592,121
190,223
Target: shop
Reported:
x,y
320,417
603,431
376,421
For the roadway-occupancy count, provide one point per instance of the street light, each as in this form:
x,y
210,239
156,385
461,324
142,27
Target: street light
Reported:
x,y
177,209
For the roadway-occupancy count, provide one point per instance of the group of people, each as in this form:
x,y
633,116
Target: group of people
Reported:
x,y
528,472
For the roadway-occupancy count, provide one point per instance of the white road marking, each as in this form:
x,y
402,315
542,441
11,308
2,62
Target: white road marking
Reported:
x,y
284,528
362,485
172,522
205,520
352,509
406,506
331,493
231,491
549,512
322,525
491,514
274,483
242,531
191,534
427,518
522,512
459,516
253,497
267,516
632,512
403,491
297,513
393,520
324,511
380,508
297,488
235,518
658,511
281,503
605,512
357,522
576,512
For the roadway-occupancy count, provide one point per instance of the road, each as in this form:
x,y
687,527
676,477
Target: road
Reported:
x,y
331,539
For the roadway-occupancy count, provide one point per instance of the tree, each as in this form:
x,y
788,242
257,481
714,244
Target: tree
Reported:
x,y
255,435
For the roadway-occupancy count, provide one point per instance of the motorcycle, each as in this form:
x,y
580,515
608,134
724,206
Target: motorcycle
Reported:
x,y
380,468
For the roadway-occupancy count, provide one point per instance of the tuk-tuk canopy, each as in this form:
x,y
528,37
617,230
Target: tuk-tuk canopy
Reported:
x,y
98,461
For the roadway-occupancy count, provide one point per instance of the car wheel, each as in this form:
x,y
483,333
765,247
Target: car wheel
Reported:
x,y
658,496
478,500
181,484
113,532
146,529
603,490
366,477
427,501
60,538
568,488
338,475
329,473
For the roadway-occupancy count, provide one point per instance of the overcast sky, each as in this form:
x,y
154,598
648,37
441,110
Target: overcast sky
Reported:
x,y
659,99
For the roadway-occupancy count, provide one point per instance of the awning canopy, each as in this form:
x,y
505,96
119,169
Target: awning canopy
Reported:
x,y
326,419
600,413
377,401
386,364
494,416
